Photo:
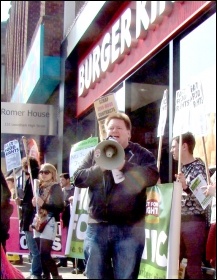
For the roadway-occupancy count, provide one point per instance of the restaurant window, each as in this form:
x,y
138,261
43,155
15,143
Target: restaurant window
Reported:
x,y
198,63
144,93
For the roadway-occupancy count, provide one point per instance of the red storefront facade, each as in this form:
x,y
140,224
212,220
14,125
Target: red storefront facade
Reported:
x,y
142,50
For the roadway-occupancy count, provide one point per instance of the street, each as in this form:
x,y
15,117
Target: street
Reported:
x,y
64,271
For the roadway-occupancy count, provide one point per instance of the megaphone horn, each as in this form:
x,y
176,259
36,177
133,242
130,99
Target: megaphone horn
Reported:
x,y
109,154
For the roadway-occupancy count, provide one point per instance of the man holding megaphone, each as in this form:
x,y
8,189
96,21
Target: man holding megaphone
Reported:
x,y
117,173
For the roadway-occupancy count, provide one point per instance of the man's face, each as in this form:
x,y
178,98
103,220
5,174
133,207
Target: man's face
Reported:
x,y
64,182
175,149
117,129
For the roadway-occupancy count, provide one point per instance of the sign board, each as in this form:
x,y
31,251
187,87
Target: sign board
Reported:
x,y
198,120
37,119
182,111
12,155
163,115
79,151
104,106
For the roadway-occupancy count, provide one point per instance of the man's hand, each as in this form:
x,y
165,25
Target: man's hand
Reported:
x,y
209,190
180,177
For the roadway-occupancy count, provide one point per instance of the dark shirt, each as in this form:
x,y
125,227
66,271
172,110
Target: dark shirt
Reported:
x,y
190,204
55,203
125,202
66,211
28,210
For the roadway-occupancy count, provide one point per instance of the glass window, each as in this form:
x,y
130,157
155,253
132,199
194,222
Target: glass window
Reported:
x,y
144,93
87,126
198,63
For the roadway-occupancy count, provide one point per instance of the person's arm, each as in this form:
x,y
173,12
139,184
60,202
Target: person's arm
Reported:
x,y
197,168
142,170
209,189
70,199
87,174
180,177
55,202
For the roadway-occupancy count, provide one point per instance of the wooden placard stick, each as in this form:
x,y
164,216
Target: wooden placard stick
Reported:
x,y
206,162
28,162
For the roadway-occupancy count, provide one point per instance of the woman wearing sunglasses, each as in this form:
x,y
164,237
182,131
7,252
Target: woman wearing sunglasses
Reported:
x,y
49,202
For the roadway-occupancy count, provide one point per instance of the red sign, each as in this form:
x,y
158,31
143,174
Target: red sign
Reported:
x,y
182,13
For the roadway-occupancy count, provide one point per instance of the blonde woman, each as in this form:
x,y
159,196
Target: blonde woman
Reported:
x,y
49,202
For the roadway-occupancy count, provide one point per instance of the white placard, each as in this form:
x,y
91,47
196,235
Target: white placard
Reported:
x,y
195,187
198,121
163,115
12,154
182,112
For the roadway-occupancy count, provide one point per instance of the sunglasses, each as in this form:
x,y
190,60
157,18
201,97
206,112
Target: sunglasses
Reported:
x,y
46,172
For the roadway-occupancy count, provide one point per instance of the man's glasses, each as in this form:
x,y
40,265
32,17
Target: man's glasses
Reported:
x,y
46,172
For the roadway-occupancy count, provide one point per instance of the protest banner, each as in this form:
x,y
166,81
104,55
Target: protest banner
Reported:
x,y
12,155
161,125
198,121
181,122
78,218
157,221
78,225
79,151
190,116
33,149
163,115
104,106
13,159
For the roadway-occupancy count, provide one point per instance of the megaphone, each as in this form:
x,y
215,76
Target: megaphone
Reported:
x,y
109,154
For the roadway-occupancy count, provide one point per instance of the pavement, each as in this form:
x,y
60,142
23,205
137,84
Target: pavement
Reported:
x,y
65,272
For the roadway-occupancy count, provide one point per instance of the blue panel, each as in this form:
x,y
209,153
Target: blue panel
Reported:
x,y
49,80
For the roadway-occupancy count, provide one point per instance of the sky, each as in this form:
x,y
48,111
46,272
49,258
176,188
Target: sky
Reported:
x,y
5,6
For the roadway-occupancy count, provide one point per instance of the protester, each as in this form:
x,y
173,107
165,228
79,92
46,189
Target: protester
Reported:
x,y
211,241
68,192
115,235
11,186
193,216
49,201
8,271
28,212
